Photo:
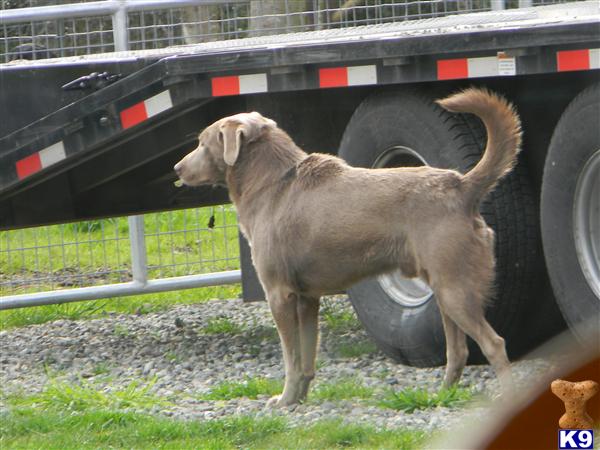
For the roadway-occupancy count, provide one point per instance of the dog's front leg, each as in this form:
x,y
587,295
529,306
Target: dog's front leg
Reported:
x,y
308,320
284,309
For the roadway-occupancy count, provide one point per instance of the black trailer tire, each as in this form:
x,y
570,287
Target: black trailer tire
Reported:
x,y
411,127
570,213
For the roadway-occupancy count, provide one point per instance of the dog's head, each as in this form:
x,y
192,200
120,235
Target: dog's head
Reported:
x,y
219,146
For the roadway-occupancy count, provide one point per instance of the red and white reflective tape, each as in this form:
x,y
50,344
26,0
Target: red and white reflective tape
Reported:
x,y
239,84
487,66
144,110
586,59
40,160
347,76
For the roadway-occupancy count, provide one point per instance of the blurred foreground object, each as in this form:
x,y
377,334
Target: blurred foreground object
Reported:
x,y
530,419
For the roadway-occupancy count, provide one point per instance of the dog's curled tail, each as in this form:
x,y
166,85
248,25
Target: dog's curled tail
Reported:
x,y
503,128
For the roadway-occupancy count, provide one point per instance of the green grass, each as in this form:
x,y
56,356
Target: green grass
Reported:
x,y
409,400
83,396
83,416
333,434
249,388
355,349
40,314
121,330
173,357
101,368
30,428
221,325
137,304
339,320
340,389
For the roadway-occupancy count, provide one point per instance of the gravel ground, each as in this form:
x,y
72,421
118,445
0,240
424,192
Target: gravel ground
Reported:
x,y
174,347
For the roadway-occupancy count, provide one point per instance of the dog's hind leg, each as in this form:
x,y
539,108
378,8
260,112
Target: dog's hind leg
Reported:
x,y
456,351
308,318
467,313
284,307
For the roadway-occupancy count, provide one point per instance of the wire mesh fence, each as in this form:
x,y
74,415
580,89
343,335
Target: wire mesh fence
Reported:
x,y
221,20
40,40
78,254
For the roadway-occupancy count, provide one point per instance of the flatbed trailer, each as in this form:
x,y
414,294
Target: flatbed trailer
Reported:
x,y
97,136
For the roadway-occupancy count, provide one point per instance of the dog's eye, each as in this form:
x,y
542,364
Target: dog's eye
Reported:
x,y
220,137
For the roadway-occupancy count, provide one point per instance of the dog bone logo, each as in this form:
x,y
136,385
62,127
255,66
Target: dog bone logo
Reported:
x,y
575,396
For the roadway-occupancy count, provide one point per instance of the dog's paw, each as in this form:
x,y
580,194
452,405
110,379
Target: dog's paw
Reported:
x,y
279,402
274,402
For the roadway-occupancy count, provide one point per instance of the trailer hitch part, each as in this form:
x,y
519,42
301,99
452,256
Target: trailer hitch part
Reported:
x,y
94,80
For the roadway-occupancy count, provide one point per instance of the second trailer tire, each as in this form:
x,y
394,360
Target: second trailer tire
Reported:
x,y
570,214
401,315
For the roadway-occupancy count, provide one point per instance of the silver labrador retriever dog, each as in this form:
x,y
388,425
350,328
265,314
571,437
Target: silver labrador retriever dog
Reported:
x,y
317,225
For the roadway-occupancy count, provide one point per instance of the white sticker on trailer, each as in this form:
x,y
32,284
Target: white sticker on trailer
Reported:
x,y
159,103
52,154
361,75
483,67
253,83
595,58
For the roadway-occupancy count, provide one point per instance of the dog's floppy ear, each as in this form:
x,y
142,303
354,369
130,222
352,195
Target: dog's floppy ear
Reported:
x,y
232,141
239,130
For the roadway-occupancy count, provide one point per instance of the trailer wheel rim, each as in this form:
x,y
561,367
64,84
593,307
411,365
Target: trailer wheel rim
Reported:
x,y
411,292
586,222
